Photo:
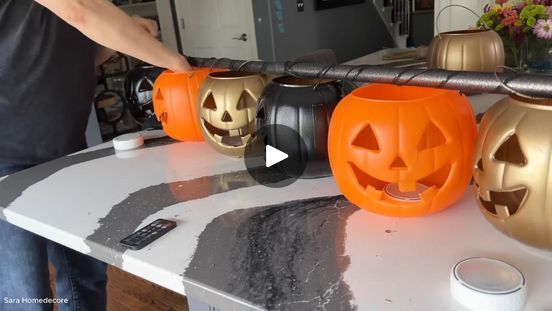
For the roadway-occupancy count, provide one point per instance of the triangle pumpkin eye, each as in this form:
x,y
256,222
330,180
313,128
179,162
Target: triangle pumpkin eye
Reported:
x,y
510,151
209,103
145,85
246,101
159,95
432,137
261,112
367,139
479,165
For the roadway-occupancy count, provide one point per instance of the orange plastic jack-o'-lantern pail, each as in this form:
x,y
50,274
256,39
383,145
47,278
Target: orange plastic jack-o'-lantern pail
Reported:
x,y
402,150
175,102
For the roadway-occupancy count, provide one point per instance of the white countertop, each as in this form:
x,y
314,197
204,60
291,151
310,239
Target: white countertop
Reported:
x,y
244,246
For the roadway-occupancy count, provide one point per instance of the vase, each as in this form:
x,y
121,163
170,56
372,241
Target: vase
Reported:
x,y
539,56
515,53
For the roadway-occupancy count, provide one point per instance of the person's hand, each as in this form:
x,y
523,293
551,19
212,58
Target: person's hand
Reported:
x,y
181,65
148,24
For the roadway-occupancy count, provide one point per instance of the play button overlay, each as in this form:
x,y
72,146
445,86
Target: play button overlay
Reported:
x,y
273,157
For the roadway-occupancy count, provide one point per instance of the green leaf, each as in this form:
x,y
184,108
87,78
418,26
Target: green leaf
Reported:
x,y
540,10
531,21
499,27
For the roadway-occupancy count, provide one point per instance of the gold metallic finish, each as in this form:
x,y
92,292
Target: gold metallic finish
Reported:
x,y
227,103
512,169
466,50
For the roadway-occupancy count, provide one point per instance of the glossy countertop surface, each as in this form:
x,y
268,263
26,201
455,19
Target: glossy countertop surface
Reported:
x,y
240,245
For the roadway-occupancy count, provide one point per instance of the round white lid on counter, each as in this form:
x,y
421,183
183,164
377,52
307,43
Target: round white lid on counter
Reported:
x,y
128,141
488,284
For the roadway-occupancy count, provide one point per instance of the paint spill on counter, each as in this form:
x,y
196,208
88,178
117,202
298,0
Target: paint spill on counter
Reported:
x,y
287,256
125,217
13,186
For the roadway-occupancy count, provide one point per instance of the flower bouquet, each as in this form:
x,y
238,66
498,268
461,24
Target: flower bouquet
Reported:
x,y
525,27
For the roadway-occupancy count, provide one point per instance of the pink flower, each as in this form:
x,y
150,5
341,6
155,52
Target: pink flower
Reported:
x,y
520,6
543,29
510,17
509,20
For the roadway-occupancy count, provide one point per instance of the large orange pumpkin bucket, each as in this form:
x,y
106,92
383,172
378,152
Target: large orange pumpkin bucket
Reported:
x,y
175,102
402,150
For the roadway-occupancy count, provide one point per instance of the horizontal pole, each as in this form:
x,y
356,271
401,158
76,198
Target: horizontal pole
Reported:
x,y
534,85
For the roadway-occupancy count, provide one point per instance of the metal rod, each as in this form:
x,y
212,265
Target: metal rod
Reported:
x,y
534,85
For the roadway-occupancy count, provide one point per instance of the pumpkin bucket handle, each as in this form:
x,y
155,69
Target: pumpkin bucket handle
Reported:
x,y
446,7
240,68
216,61
397,78
201,65
505,85
322,75
289,71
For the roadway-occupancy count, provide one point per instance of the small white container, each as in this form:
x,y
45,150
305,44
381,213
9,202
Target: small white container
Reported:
x,y
488,284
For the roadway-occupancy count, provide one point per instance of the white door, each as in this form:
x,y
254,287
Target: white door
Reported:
x,y
457,18
217,28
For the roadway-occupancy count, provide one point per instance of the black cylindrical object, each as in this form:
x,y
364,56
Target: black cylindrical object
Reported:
x,y
305,106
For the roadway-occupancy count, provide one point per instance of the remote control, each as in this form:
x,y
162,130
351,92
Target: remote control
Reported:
x,y
148,234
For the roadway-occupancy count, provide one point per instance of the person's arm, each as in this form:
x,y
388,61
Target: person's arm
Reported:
x,y
103,54
109,26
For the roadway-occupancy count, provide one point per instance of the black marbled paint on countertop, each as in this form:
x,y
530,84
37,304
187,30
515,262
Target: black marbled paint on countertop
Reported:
x,y
288,256
13,186
125,217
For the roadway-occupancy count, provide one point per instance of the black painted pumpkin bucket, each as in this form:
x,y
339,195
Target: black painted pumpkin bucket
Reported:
x,y
305,106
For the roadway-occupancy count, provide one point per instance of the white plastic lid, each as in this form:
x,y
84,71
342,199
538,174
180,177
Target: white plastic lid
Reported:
x,y
488,284
394,192
128,141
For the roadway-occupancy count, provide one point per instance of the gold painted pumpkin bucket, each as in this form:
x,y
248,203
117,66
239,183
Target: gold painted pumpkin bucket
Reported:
x,y
227,105
467,50
512,165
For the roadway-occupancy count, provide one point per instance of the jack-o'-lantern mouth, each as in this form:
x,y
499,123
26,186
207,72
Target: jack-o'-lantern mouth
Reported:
x,y
232,138
502,204
430,183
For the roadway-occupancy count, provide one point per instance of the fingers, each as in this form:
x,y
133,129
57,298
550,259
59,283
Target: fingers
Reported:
x,y
181,65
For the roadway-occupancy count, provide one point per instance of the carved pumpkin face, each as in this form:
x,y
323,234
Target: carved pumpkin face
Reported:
x,y
227,104
402,151
470,50
138,90
175,103
511,169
